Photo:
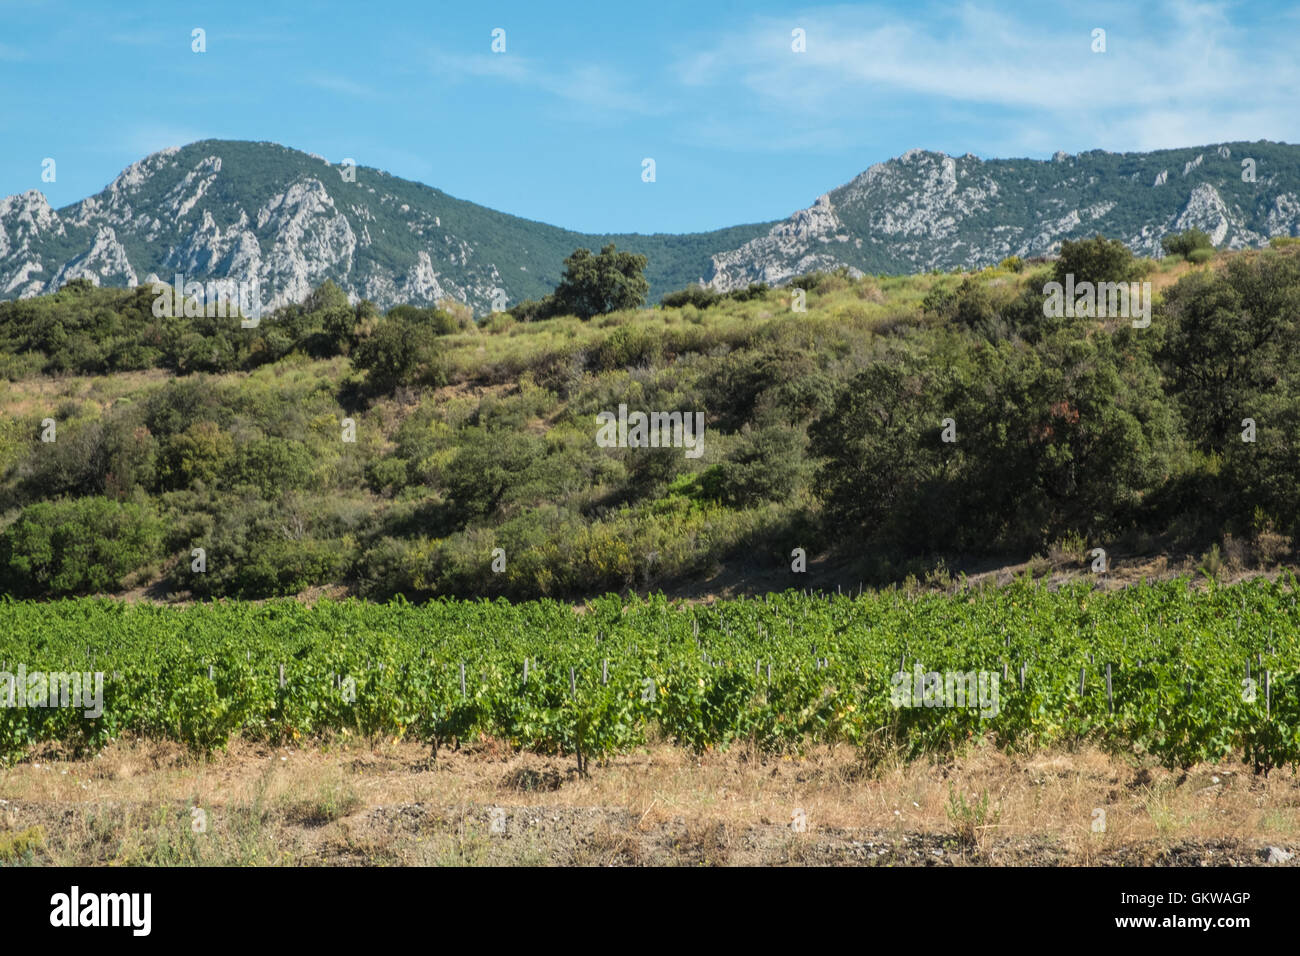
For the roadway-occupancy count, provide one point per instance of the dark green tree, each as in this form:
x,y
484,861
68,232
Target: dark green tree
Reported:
x,y
596,285
766,465
488,466
1096,260
329,310
399,351
1229,341
881,449
1185,243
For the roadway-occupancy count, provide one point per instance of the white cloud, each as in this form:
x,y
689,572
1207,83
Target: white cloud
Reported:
x,y
1182,77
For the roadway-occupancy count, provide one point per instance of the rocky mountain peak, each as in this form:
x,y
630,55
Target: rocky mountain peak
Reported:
x,y
217,210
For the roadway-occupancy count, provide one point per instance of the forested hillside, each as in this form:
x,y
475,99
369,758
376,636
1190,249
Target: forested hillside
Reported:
x,y
902,425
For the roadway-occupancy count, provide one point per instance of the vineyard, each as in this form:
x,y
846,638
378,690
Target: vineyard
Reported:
x,y
1163,669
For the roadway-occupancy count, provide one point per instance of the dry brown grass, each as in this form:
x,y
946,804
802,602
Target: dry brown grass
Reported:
x,y
337,804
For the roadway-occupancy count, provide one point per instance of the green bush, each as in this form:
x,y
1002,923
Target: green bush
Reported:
x,y
260,549
823,281
435,321
274,465
765,466
755,290
627,346
388,475
389,355
70,465
112,457
1228,341
77,546
974,306
696,295
279,566
940,301
201,453
534,310
402,351
488,469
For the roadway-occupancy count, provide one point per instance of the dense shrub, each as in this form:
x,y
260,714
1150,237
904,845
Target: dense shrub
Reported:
x,y
755,290
77,546
765,466
259,548
1230,339
696,295
434,321
489,467
201,453
274,465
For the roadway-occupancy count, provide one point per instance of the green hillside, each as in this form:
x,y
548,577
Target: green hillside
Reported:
x,y
824,430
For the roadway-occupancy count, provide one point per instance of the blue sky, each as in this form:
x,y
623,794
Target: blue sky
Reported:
x,y
740,126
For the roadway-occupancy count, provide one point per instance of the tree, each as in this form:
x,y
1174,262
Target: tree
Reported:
x,y
399,351
327,297
433,320
597,285
766,465
534,310
697,295
1185,243
881,450
974,307
330,311
1095,260
274,464
1260,476
1229,342
203,452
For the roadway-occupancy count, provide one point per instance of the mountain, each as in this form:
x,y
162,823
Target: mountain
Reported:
x,y
927,210
217,209
225,209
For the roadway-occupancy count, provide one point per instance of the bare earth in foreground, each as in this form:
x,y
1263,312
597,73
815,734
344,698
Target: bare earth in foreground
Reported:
x,y
356,803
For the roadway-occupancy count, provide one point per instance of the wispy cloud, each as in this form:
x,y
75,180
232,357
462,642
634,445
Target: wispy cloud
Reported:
x,y
590,85
1198,79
